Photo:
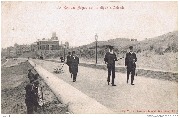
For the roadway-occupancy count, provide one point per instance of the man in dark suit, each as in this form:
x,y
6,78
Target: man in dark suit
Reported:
x,y
130,63
74,65
69,62
110,59
29,98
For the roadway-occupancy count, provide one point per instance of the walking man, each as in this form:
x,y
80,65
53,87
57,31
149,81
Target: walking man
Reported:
x,y
69,62
130,64
31,96
74,65
110,59
36,94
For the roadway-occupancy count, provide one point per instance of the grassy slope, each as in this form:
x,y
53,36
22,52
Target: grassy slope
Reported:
x,y
147,58
13,80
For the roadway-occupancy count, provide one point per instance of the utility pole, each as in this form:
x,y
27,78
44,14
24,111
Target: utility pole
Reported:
x,y
96,37
64,51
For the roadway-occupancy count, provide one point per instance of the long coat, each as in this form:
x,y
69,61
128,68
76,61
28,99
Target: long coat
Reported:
x,y
129,60
30,96
110,59
74,64
68,60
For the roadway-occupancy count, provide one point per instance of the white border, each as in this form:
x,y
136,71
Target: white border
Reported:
x,y
95,115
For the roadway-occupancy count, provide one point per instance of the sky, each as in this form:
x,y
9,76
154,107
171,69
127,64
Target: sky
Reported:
x,y
25,22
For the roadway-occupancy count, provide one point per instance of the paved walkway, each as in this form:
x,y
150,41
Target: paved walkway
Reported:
x,y
102,63
146,96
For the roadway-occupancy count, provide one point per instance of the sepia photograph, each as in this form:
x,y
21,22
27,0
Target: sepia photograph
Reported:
x,y
89,57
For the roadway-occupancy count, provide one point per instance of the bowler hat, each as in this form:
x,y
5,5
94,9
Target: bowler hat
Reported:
x,y
130,47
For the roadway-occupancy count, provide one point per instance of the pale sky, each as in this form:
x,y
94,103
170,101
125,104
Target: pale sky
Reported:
x,y
25,22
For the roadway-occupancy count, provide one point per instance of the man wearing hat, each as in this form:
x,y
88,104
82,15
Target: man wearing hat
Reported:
x,y
130,63
36,94
110,59
69,62
74,65
31,96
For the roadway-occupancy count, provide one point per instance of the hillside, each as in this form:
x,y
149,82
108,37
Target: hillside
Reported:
x,y
161,44
155,53
117,43
157,45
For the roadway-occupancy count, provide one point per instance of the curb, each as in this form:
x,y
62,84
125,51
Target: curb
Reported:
x,y
157,74
171,76
78,102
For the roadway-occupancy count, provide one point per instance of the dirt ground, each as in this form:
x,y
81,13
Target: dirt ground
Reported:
x,y
13,82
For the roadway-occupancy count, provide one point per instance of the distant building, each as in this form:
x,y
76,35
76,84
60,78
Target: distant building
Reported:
x,y
54,37
11,52
133,39
46,47
20,49
67,45
54,34
34,47
3,52
123,39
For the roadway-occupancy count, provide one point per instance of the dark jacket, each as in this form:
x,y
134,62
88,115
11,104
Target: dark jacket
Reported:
x,y
31,95
74,64
68,60
129,60
110,59
31,76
